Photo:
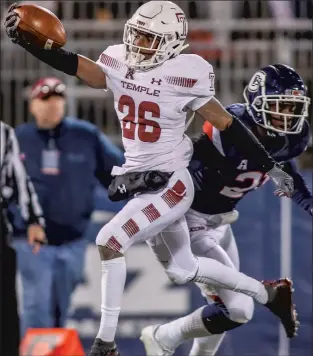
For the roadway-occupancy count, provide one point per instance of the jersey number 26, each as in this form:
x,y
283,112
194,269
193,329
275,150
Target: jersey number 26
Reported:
x,y
148,130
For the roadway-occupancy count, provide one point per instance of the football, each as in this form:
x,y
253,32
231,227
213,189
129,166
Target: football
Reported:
x,y
40,26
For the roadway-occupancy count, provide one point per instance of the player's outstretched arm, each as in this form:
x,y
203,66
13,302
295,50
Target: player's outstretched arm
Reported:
x,y
60,59
90,73
234,131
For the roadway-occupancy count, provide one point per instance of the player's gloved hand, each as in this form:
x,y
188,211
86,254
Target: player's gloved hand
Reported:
x,y
11,26
282,180
279,193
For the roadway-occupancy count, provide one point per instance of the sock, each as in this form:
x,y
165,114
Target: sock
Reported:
x,y
206,346
216,274
172,334
112,287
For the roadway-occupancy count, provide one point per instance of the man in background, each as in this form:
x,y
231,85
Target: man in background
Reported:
x,y
66,158
14,186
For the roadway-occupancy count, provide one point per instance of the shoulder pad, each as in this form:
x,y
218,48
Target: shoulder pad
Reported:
x,y
190,74
186,70
112,57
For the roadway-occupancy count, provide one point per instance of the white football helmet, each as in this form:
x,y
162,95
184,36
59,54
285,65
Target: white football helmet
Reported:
x,y
163,20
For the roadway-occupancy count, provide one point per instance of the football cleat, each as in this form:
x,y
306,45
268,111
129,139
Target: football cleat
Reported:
x,y
280,304
151,344
102,348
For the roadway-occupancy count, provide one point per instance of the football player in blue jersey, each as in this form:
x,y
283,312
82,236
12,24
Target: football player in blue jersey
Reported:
x,y
275,110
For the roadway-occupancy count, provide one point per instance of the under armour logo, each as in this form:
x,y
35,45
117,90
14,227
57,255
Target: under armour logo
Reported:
x,y
122,189
130,73
155,81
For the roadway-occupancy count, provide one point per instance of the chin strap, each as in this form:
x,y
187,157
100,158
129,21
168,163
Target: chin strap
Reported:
x,y
177,52
184,47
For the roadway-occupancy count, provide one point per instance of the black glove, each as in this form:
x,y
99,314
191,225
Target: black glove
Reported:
x,y
11,26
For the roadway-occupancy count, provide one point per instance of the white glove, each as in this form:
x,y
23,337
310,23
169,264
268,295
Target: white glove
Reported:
x,y
282,180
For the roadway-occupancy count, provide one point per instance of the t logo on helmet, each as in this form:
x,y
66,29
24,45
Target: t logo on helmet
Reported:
x,y
182,18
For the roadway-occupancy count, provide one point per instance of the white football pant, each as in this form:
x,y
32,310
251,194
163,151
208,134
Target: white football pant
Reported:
x,y
220,244
159,214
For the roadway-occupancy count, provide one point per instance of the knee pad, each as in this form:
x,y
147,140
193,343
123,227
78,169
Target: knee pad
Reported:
x,y
178,275
102,237
216,319
241,309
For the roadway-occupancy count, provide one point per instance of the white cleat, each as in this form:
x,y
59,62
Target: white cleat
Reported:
x,y
151,344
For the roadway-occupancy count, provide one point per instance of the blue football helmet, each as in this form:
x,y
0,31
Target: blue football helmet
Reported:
x,y
276,99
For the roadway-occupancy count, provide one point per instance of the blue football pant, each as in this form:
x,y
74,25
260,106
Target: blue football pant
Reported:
x,y
48,281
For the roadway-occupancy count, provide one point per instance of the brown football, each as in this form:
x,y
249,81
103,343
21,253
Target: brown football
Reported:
x,y
41,27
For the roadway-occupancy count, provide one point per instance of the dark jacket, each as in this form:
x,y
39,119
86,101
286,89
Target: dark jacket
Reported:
x,y
66,194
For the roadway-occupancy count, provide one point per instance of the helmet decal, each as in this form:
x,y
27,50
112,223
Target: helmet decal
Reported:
x,y
256,81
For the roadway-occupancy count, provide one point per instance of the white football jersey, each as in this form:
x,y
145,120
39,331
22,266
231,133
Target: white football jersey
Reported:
x,y
152,107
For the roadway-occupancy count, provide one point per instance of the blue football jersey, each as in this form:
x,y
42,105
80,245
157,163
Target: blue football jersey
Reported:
x,y
222,175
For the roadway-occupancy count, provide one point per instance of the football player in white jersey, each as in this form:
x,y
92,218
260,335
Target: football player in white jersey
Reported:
x,y
153,87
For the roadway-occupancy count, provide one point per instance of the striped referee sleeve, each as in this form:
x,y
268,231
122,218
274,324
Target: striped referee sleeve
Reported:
x,y
23,189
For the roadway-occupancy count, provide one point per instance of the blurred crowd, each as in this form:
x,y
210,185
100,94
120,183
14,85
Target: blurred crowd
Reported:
x,y
103,10
249,9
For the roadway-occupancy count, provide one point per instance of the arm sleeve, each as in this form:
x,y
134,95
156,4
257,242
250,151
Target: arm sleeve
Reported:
x,y
240,138
58,58
108,155
302,195
23,189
